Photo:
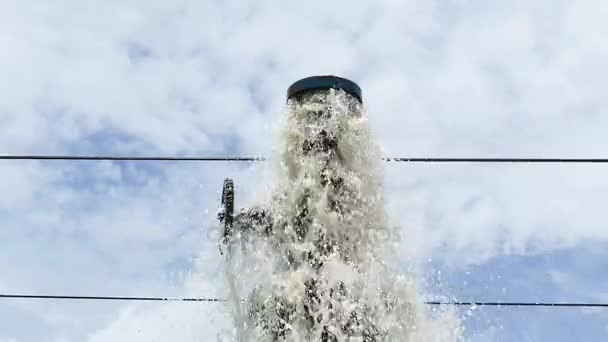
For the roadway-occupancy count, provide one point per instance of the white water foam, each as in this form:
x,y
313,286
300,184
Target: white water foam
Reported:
x,y
322,274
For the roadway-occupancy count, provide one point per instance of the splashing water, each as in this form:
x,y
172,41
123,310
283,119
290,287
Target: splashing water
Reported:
x,y
309,265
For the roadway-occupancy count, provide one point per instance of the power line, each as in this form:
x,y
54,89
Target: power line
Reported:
x,y
209,299
498,160
125,158
256,159
546,304
119,298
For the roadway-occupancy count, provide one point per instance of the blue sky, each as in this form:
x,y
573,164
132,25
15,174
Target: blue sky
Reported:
x,y
446,78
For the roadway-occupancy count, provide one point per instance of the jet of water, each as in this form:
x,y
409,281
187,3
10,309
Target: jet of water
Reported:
x,y
310,263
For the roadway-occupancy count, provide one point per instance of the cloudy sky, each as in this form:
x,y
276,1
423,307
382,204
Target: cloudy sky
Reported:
x,y
441,78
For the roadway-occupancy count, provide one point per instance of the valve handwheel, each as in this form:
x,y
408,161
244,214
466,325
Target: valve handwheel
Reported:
x,y
226,214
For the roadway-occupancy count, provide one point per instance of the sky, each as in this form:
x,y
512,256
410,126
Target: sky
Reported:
x,y
440,78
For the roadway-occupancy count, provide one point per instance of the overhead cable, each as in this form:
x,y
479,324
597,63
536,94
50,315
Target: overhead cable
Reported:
x,y
212,299
256,159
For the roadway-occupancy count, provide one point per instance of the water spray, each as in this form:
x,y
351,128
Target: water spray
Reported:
x,y
308,265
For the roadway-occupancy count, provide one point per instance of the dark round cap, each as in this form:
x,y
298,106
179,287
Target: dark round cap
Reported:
x,y
310,84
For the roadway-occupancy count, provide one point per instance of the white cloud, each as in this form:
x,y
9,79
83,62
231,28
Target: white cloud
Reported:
x,y
167,322
440,78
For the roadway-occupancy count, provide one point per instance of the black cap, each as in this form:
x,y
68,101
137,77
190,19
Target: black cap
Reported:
x,y
310,84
